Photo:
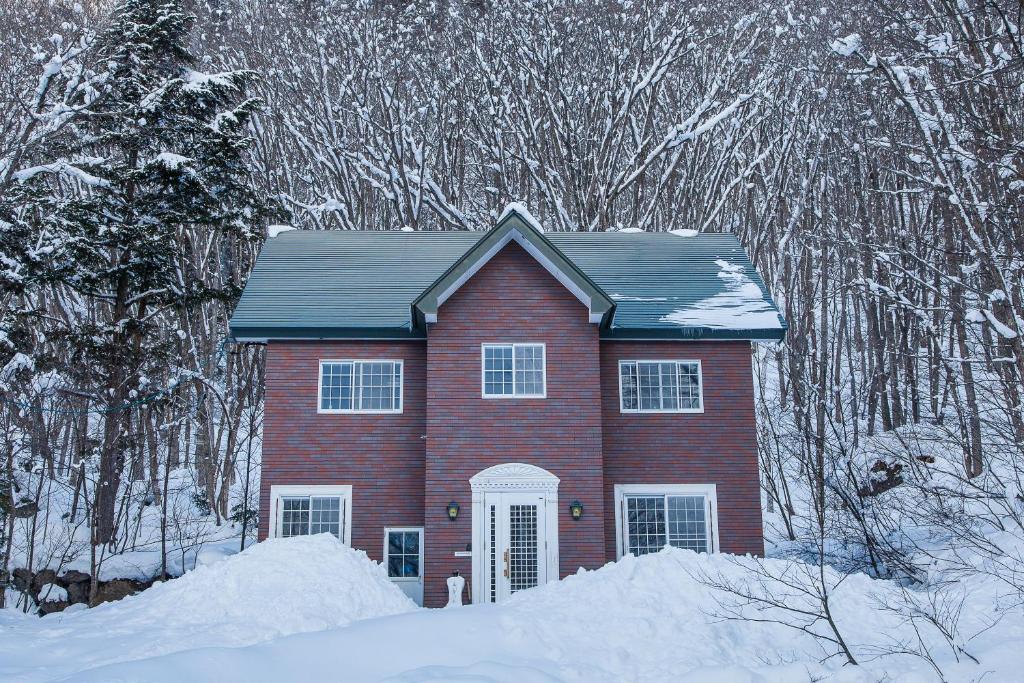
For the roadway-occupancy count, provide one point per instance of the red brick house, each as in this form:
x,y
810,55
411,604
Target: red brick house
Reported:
x,y
510,404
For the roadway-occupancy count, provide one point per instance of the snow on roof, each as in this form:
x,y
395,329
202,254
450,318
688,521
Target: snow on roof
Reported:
x,y
741,306
275,230
684,232
524,213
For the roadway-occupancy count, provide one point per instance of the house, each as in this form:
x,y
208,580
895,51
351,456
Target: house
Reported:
x,y
511,405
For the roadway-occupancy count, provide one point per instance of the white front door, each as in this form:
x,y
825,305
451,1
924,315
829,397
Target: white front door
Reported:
x,y
515,530
517,545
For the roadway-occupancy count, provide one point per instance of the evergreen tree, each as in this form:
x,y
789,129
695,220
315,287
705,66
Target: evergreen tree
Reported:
x,y
133,201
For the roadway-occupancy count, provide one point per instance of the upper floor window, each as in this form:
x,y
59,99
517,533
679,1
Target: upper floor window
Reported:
x,y
363,386
514,371
659,386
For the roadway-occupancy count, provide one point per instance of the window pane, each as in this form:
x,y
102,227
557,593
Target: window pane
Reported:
x,y
529,369
687,523
395,565
396,383
689,386
294,516
412,542
376,386
325,515
336,386
411,566
498,370
645,517
649,380
669,386
394,543
627,374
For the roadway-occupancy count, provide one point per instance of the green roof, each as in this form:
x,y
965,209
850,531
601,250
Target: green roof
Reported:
x,y
388,284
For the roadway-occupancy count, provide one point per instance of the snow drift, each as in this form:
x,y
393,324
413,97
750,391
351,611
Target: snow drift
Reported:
x,y
641,619
272,589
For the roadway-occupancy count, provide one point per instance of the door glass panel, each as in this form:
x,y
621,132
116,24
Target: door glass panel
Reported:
x,y
494,552
645,517
687,523
522,564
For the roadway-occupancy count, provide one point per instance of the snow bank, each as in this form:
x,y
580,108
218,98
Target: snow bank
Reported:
x,y
741,306
272,589
641,619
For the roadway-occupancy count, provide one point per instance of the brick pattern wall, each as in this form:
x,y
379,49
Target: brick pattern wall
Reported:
x,y
400,478
381,456
511,299
718,446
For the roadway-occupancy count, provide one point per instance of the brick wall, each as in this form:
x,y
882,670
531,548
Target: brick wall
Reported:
x,y
511,299
577,432
718,446
381,456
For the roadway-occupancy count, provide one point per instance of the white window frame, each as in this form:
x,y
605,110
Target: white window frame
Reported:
x,y
279,491
483,375
336,411
709,491
403,529
638,410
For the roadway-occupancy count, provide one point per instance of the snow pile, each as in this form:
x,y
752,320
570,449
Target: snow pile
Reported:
x,y
641,619
742,306
51,592
272,589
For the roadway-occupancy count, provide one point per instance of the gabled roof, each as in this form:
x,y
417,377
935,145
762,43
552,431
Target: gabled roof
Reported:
x,y
515,225
369,284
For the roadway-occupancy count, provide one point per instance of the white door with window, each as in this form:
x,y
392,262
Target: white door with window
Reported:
x,y
403,557
653,516
516,543
515,530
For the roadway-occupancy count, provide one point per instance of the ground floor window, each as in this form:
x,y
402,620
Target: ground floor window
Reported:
x,y
303,510
653,516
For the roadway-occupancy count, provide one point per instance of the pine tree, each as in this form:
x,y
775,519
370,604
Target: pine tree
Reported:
x,y
129,200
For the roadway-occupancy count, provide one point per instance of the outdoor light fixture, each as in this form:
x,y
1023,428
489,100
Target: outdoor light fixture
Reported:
x,y
453,510
576,509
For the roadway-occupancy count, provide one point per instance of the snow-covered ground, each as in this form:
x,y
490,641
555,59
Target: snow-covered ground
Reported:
x,y
309,608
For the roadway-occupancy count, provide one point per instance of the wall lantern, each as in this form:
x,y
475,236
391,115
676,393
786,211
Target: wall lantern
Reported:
x,y
576,509
453,510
